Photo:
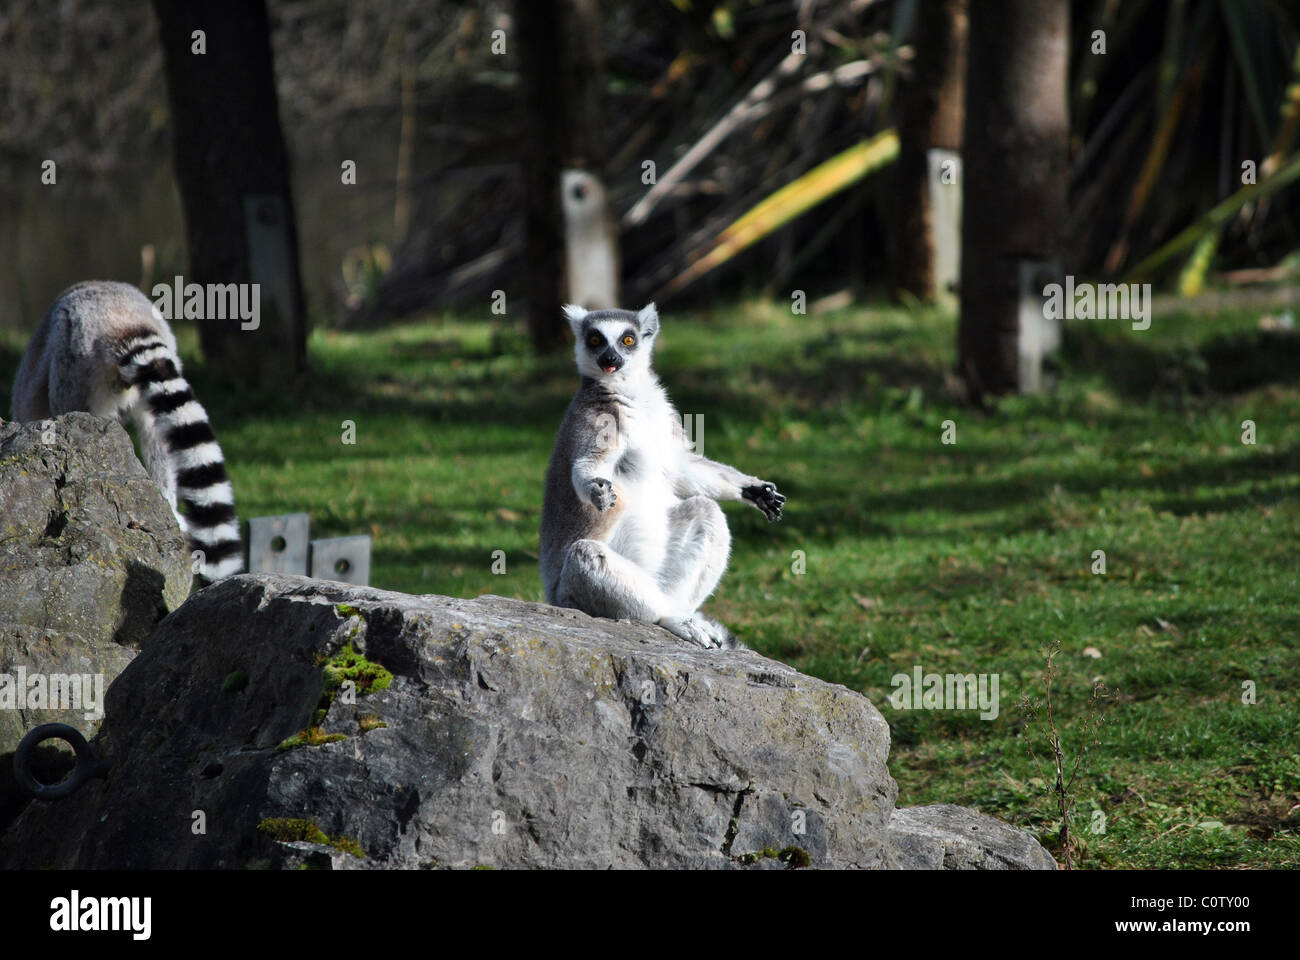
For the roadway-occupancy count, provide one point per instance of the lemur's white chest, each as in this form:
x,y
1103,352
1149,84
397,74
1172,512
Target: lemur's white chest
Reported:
x,y
644,478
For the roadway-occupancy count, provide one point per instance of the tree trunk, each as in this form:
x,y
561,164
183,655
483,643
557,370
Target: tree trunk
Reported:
x,y
931,113
537,34
405,158
233,173
591,234
1015,171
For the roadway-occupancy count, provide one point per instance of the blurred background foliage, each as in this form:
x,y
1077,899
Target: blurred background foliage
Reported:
x,y
1160,126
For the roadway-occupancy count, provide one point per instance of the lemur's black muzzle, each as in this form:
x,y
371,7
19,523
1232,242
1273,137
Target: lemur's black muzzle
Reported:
x,y
609,361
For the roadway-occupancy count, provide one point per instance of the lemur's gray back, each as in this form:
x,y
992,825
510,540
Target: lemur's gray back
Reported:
x,y
588,425
102,348
71,361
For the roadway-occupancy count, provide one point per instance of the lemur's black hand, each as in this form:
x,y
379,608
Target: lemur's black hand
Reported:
x,y
602,494
766,498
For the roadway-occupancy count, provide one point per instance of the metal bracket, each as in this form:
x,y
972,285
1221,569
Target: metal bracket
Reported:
x,y
943,169
1039,334
278,544
346,559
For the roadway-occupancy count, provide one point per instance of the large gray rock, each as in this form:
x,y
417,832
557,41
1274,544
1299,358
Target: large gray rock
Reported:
x,y
88,544
511,735
91,558
948,837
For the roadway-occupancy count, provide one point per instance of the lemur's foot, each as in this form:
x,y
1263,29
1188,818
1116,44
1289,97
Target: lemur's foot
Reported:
x,y
602,493
722,637
700,630
765,496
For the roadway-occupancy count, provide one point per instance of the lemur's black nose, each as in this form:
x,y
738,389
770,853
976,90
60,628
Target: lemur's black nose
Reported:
x,y
609,361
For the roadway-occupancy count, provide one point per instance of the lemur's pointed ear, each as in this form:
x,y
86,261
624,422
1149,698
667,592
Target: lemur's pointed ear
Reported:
x,y
647,319
574,314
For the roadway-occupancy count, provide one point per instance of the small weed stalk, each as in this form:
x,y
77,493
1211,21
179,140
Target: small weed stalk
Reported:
x,y
1062,785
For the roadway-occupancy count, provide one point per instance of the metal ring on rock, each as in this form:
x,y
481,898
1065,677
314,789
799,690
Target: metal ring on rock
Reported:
x,y
88,766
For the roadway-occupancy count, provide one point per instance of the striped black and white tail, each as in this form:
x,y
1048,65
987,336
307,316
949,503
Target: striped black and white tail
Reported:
x,y
181,452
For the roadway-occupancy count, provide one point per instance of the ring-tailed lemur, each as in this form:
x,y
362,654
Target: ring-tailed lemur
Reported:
x,y
104,349
630,524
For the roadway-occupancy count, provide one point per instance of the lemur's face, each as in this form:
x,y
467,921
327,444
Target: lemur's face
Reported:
x,y
612,343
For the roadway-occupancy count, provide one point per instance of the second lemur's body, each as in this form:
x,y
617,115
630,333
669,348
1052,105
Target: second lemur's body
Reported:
x,y
104,349
631,528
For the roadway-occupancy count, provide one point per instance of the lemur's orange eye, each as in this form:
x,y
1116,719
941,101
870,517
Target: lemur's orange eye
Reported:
x,y
594,340
629,340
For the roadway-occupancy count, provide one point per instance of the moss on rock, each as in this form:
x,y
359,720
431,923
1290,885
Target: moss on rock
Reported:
x,y
290,830
795,857
349,665
310,737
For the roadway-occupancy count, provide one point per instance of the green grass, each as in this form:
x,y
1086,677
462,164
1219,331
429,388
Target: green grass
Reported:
x,y
963,558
